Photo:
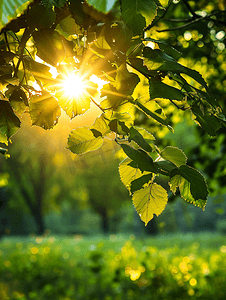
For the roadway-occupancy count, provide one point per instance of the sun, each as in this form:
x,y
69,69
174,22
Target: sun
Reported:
x,y
73,85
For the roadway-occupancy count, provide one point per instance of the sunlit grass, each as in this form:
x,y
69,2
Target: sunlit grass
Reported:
x,y
115,267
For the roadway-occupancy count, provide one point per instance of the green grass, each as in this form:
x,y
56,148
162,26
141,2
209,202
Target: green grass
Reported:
x,y
115,267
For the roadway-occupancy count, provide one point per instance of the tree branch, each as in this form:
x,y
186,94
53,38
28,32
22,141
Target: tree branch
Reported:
x,y
8,47
194,15
193,21
162,16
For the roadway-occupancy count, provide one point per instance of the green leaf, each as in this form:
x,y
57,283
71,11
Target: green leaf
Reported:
x,y
137,64
159,61
38,70
7,10
102,5
164,167
175,155
128,173
139,139
207,121
166,48
68,25
3,138
17,98
112,121
195,182
138,14
82,140
141,158
51,3
44,110
76,7
134,21
158,89
185,191
120,89
73,105
113,97
50,46
40,17
17,102
101,125
120,123
138,183
9,122
146,134
125,81
149,201
151,114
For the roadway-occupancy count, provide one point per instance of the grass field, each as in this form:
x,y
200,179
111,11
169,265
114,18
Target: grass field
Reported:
x,y
114,267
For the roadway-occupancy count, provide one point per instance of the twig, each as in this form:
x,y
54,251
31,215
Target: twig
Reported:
x,y
178,20
8,47
162,16
92,99
192,22
138,70
23,41
194,15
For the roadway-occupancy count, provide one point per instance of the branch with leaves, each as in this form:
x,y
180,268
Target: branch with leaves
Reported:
x,y
111,42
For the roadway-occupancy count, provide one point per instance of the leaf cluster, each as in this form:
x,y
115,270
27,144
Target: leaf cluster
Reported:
x,y
115,43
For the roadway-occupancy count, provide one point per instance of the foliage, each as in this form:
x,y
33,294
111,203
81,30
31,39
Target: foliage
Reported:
x,y
113,268
143,76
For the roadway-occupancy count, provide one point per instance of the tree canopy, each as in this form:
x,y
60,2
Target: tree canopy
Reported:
x,y
122,58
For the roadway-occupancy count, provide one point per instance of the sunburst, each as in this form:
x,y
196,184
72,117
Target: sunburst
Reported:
x,y
73,85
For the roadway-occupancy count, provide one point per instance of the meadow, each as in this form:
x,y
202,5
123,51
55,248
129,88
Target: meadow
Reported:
x,y
119,267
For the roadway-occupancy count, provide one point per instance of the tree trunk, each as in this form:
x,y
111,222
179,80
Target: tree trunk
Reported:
x,y
152,228
39,221
105,222
3,201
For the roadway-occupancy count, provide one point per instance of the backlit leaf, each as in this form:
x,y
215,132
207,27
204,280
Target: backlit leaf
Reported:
x,y
206,120
138,183
138,14
143,161
44,110
101,125
73,105
149,201
120,123
185,191
9,122
160,61
82,140
128,173
191,184
166,48
3,139
7,10
50,47
125,81
158,89
155,115
175,155
164,167
139,139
